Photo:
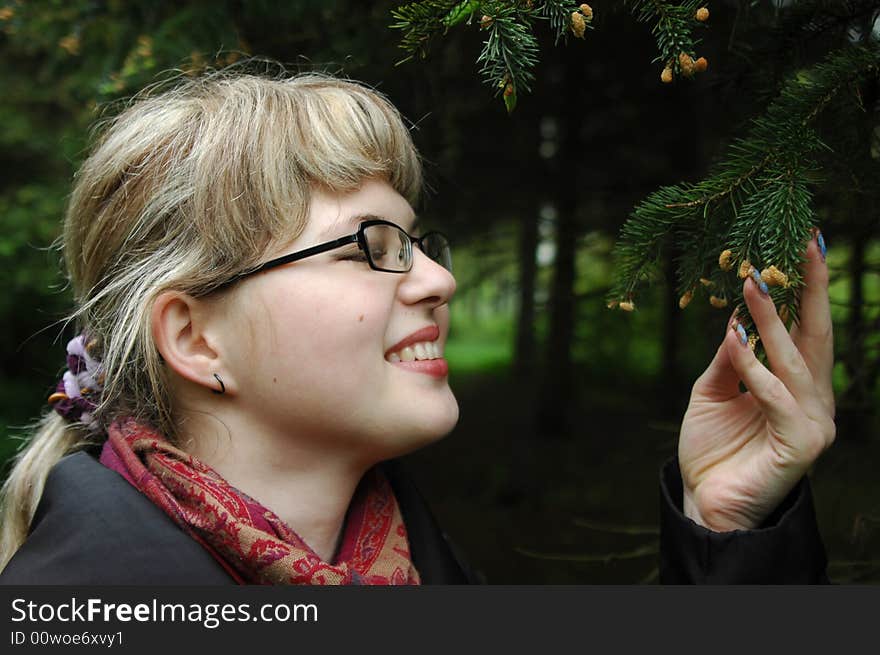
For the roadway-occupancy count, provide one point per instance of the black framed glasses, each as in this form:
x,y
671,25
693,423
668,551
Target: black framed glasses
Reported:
x,y
385,246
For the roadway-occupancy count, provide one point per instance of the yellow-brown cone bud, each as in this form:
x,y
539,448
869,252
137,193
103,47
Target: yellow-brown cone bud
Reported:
x,y
508,90
753,340
774,277
587,11
725,260
719,303
700,65
783,313
686,64
578,24
486,22
70,43
685,299
666,75
707,282
745,269
702,14
611,304
627,305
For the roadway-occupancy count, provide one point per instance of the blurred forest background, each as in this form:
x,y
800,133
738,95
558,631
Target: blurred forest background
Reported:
x,y
567,409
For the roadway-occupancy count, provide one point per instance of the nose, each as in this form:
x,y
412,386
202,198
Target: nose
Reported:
x,y
426,282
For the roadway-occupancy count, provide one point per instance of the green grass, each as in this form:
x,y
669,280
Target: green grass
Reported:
x,y
479,342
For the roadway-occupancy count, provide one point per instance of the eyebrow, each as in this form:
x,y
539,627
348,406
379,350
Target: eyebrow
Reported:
x,y
355,220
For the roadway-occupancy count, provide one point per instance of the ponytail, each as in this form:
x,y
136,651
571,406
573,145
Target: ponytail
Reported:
x,y
54,438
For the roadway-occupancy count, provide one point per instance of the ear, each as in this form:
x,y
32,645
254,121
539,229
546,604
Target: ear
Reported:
x,y
182,332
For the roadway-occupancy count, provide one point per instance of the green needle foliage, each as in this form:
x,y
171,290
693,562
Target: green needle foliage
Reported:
x,y
756,203
673,29
510,51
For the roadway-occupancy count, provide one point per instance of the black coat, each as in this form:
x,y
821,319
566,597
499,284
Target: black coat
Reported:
x,y
92,527
786,549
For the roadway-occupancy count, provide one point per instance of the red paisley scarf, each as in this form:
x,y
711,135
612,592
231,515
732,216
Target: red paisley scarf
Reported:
x,y
249,540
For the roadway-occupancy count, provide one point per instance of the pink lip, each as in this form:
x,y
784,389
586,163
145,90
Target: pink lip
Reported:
x,y
438,368
430,333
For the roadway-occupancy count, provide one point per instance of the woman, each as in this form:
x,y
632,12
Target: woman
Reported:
x,y
262,335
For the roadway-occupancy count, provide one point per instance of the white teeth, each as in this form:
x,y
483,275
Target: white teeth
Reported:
x,y
418,351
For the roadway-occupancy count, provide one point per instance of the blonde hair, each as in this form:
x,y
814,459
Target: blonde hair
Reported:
x,y
186,188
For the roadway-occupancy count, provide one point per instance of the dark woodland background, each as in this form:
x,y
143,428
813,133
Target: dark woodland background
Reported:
x,y
567,409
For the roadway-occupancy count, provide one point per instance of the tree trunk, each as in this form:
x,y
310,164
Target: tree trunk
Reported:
x,y
521,482
525,350
557,388
556,397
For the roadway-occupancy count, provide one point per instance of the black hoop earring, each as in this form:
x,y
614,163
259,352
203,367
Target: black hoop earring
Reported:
x,y
222,389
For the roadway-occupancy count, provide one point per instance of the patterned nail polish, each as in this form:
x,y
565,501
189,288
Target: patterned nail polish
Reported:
x,y
756,276
740,332
820,241
732,320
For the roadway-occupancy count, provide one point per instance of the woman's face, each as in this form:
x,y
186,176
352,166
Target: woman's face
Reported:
x,y
317,337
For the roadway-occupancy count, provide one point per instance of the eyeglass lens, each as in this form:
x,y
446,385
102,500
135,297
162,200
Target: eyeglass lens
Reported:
x,y
437,248
390,248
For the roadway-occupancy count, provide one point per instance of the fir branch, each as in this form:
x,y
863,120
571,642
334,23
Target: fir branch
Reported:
x,y
421,21
558,14
757,202
727,189
673,29
509,53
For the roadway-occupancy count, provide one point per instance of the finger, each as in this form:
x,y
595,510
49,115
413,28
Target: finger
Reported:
x,y
774,399
720,381
785,360
813,336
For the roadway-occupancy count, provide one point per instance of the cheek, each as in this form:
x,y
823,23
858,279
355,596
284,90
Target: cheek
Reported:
x,y
324,339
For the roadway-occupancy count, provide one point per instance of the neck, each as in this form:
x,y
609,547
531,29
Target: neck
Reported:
x,y
308,488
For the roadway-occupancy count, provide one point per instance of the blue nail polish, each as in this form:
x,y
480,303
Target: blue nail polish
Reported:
x,y
820,240
741,333
761,284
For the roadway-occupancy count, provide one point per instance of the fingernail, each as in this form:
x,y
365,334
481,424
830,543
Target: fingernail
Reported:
x,y
732,320
740,332
820,241
756,276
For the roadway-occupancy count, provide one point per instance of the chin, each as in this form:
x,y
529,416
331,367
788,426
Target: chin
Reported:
x,y
431,427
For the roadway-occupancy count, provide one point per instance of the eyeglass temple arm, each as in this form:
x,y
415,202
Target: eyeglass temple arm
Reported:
x,y
301,254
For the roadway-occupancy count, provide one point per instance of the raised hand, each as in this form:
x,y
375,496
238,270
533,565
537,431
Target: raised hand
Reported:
x,y
741,453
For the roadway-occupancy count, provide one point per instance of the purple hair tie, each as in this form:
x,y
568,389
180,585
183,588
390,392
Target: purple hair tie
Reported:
x,y
78,392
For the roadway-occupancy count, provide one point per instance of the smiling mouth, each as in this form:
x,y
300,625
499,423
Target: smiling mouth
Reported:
x,y
418,352
421,345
